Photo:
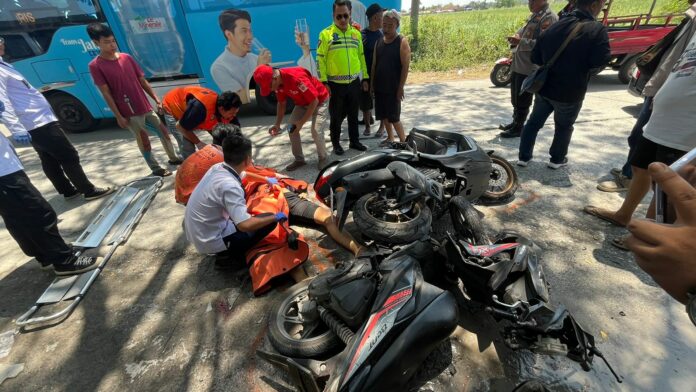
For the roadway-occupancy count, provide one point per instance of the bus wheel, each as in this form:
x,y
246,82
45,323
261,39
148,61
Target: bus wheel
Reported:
x,y
72,114
268,104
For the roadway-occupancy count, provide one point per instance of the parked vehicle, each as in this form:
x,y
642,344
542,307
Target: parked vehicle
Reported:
x,y
629,36
394,191
368,324
501,75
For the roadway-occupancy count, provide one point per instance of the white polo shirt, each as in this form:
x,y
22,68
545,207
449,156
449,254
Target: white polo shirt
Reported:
x,y
215,207
22,107
9,162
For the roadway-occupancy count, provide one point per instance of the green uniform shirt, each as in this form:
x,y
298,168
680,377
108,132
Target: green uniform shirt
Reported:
x,y
340,55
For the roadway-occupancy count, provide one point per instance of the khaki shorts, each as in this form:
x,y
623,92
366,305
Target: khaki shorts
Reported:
x,y
137,123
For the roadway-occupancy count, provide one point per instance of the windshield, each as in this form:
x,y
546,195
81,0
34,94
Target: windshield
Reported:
x,y
32,14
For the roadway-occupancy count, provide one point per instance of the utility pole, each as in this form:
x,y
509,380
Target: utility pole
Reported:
x,y
415,9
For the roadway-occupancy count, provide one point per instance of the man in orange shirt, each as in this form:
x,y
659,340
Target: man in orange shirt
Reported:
x,y
192,107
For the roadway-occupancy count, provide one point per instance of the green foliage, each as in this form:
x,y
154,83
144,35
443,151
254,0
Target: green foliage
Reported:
x,y
467,39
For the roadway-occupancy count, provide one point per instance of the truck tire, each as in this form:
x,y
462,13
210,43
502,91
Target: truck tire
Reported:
x,y
627,69
501,75
322,343
387,232
72,114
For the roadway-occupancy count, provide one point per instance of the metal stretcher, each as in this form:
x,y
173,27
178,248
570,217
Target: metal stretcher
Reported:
x,y
119,217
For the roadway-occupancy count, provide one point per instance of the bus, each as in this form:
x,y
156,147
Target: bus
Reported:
x,y
176,43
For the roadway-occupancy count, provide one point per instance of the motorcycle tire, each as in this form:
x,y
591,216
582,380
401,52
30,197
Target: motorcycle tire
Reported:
x,y
395,233
503,182
320,345
467,221
501,75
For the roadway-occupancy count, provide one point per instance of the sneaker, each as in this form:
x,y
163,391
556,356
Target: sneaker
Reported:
x,y
556,166
71,195
161,173
522,163
45,267
338,150
295,165
75,265
620,184
99,192
511,133
176,162
358,146
615,171
321,163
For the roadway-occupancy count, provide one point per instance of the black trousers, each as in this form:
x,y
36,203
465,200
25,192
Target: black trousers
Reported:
x,y
344,102
60,160
31,221
521,101
240,242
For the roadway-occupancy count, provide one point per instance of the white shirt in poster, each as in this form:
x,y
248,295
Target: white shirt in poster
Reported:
x,y
231,72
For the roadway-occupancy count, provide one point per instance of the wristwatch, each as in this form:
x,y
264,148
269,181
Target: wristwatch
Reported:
x,y
691,305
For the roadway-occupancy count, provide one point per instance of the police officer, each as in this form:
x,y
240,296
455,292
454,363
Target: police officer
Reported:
x,y
341,61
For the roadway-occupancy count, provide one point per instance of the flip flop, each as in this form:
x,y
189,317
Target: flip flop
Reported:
x,y
594,211
619,243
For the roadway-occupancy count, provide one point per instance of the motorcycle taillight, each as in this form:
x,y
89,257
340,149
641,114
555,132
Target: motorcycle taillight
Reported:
x,y
321,181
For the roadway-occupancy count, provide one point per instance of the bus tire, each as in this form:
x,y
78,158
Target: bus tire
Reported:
x,y
72,114
268,104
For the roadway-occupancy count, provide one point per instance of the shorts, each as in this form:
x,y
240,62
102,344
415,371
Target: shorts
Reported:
x,y
387,107
301,210
365,101
138,123
648,152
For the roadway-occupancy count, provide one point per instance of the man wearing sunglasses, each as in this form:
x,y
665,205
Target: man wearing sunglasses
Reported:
x,y
341,65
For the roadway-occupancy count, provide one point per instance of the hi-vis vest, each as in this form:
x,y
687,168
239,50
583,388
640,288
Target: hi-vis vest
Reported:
x,y
174,102
340,55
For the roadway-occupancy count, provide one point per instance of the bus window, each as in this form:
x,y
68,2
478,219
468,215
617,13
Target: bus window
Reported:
x,y
28,15
211,5
16,48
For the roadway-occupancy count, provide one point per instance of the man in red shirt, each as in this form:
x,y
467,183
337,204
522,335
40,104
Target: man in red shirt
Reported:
x,y
310,97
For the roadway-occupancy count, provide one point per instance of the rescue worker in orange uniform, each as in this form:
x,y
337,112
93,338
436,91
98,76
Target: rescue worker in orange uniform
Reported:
x,y
191,108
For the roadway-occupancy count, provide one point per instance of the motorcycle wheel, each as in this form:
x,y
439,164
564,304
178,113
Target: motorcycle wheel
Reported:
x,y
291,336
467,221
501,75
393,226
503,182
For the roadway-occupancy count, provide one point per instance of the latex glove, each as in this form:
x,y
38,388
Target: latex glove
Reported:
x,y
22,138
272,181
281,217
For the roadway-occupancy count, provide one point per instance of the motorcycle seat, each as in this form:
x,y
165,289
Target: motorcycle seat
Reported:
x,y
425,144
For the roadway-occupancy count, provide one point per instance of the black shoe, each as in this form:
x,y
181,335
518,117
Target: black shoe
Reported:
x,y
71,195
75,265
175,162
338,150
161,173
506,127
98,192
358,146
509,134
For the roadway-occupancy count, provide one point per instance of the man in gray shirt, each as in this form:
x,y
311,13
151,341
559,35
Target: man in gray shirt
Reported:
x,y
523,42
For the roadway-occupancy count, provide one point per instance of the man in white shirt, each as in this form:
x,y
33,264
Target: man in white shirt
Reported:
x,y
216,219
232,70
31,221
30,119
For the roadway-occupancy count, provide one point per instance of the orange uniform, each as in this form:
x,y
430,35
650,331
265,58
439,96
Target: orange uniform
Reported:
x,y
175,101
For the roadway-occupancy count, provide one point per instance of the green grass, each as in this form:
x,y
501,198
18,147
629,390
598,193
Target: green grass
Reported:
x,y
469,39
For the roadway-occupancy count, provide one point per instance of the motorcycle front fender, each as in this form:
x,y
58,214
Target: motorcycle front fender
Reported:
x,y
504,60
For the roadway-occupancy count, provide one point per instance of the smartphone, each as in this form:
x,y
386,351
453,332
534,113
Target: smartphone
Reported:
x,y
660,196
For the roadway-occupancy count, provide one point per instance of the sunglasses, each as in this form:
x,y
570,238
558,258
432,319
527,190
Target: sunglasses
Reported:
x,y
342,16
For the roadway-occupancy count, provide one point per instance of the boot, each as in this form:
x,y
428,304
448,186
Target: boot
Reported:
x,y
506,127
519,117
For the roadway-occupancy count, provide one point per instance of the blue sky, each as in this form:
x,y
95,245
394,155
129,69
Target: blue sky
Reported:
x,y
406,4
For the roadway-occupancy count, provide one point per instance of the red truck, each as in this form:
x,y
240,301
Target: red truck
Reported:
x,y
629,36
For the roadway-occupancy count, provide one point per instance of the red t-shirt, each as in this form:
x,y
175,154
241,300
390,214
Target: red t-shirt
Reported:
x,y
301,86
122,76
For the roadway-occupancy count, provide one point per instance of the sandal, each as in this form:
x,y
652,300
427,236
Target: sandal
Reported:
x,y
597,212
379,133
619,242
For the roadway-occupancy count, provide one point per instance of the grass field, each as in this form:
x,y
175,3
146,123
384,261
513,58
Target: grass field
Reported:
x,y
469,39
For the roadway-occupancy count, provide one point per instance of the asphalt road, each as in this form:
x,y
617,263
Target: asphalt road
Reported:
x,y
161,318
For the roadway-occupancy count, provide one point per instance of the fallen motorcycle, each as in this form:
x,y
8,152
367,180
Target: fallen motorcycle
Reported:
x,y
395,191
377,320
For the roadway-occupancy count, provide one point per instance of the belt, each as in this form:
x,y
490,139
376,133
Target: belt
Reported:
x,y
343,78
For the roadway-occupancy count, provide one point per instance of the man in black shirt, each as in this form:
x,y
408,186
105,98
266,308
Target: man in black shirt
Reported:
x,y
566,83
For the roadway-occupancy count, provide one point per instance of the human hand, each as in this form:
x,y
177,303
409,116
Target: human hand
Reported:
x,y
366,85
122,122
160,108
514,40
274,130
400,94
666,252
264,57
281,217
22,138
271,181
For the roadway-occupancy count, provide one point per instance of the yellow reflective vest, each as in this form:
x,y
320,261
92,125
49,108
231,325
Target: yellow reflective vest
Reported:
x,y
340,55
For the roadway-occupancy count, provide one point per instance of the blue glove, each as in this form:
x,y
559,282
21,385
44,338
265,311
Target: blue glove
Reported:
x,y
281,217
272,181
23,138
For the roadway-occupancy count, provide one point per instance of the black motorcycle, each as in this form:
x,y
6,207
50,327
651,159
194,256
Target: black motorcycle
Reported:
x,y
386,319
394,192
